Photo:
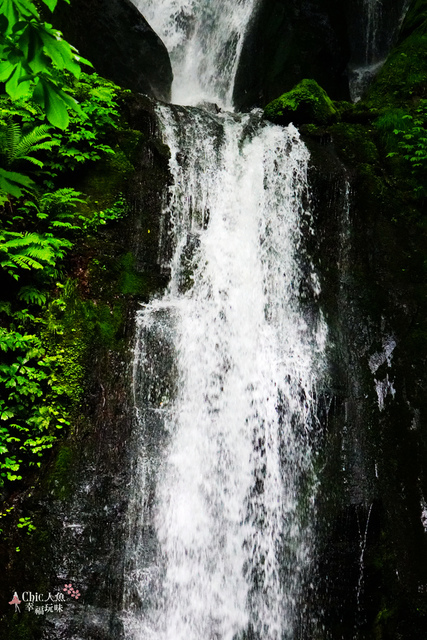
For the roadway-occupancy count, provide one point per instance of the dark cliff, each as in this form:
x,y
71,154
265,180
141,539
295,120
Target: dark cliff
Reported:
x,y
119,42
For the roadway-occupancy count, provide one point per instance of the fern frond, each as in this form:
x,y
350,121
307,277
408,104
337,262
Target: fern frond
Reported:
x,y
42,254
47,145
29,140
23,261
13,135
20,146
32,295
35,161
25,240
63,225
14,184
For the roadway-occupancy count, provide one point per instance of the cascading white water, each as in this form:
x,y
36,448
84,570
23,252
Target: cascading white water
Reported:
x,y
372,9
204,40
225,371
236,414
361,75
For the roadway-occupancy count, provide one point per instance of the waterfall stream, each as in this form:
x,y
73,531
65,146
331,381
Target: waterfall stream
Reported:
x,y
226,368
380,24
204,40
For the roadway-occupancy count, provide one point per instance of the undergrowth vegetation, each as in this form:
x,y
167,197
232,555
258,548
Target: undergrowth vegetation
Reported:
x,y
412,145
53,120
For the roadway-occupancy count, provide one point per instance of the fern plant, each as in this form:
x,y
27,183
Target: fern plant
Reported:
x,y
21,146
412,144
30,251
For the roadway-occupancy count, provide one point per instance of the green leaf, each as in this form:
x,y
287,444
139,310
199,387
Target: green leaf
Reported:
x,y
50,97
14,184
14,87
51,4
6,69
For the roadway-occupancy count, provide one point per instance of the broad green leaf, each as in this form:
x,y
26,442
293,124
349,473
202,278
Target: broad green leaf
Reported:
x,y
14,10
6,69
58,49
51,4
14,87
54,103
14,183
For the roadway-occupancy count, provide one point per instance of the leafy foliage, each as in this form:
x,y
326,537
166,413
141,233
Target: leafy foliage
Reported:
x,y
86,136
13,184
412,145
32,56
30,251
26,422
21,146
41,220
44,94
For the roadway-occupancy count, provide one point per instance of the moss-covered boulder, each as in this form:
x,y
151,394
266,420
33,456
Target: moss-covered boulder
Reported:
x,y
306,103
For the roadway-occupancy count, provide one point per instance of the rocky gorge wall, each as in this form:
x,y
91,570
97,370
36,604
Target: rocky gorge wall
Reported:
x,y
119,42
289,40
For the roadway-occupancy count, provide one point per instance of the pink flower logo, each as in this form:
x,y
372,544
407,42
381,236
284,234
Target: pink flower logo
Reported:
x,y
74,593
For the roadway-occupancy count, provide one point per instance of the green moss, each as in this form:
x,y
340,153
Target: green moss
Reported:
x,y
415,17
305,103
387,123
355,142
161,148
130,142
104,182
403,79
131,282
58,480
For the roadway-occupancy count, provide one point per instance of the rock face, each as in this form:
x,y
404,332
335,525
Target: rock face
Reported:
x,y
320,39
372,28
119,42
369,247
371,542
290,40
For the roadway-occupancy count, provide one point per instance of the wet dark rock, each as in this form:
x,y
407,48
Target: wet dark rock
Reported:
x,y
290,40
384,19
321,39
119,42
369,248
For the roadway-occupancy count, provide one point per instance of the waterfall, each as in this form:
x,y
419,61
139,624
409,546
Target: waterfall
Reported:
x,y
372,10
204,40
226,367
379,26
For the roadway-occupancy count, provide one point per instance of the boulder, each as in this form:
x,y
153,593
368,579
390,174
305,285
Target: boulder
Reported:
x,y
306,103
119,42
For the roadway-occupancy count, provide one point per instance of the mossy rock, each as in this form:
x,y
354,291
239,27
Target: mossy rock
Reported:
x,y
402,80
416,16
306,103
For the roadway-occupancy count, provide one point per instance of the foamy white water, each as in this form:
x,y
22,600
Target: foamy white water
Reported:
x,y
229,544
204,39
226,363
